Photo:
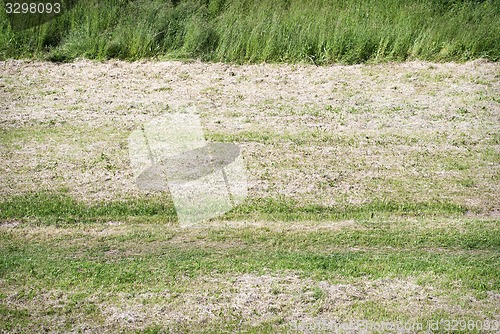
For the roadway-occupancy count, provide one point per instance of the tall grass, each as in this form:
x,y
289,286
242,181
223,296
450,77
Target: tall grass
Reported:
x,y
321,31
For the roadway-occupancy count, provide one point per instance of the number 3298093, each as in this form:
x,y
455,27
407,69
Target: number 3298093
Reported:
x,y
32,8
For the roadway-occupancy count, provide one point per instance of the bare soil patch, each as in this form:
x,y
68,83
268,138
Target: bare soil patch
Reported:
x,y
256,299
327,135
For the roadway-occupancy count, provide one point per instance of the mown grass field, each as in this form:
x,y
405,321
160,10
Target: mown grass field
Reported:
x,y
243,31
373,195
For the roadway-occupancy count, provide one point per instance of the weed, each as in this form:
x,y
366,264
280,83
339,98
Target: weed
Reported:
x,y
255,31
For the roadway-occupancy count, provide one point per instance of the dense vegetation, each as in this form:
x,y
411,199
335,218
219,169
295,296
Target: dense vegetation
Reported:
x,y
273,31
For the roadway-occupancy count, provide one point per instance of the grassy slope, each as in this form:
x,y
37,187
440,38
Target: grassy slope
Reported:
x,y
68,262
272,31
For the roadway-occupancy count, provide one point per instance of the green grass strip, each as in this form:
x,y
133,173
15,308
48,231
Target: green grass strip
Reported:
x,y
50,208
